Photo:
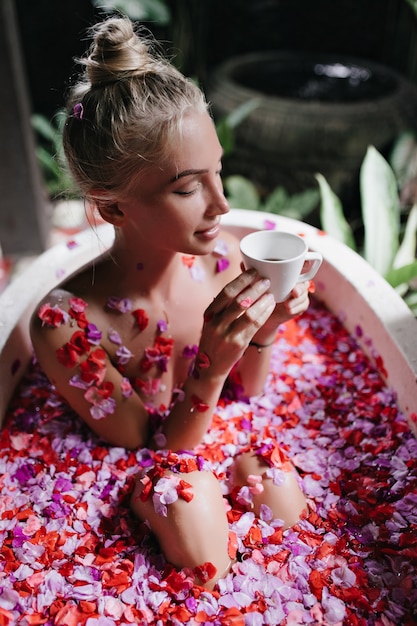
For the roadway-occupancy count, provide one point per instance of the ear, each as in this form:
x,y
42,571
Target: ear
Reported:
x,y
110,212
108,208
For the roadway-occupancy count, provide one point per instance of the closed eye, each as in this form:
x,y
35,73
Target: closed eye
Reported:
x,y
187,193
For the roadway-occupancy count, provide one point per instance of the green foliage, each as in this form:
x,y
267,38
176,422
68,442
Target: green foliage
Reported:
x,y
391,252
298,205
50,155
380,211
403,159
402,275
413,5
399,276
156,11
226,126
332,217
243,194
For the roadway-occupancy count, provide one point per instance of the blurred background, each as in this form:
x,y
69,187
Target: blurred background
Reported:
x,y
210,31
300,121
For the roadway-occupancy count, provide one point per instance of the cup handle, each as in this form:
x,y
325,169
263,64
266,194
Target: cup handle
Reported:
x,y
316,259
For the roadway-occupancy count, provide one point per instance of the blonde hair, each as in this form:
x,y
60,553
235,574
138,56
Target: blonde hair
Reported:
x,y
127,110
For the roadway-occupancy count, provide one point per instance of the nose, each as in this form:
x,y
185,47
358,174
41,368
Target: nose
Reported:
x,y
217,203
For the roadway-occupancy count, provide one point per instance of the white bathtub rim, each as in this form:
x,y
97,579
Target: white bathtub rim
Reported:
x,y
37,279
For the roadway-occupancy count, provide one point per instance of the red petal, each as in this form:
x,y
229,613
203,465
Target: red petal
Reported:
x,y
206,571
141,317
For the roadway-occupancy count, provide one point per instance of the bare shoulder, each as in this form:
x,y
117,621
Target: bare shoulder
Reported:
x,y
86,285
53,311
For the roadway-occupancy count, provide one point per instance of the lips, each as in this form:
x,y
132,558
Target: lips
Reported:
x,y
209,233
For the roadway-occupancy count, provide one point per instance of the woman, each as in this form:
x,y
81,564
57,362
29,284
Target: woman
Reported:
x,y
142,342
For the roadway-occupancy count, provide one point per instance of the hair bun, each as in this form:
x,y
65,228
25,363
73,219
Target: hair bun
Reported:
x,y
117,52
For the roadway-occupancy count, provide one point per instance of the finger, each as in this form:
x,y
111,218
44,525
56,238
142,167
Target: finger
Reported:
x,y
254,317
229,293
298,309
298,294
242,303
299,290
295,306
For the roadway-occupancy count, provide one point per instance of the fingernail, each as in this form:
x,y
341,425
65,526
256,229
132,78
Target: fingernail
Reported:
x,y
245,304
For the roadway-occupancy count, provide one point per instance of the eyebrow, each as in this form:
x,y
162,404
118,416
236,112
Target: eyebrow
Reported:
x,y
187,173
192,172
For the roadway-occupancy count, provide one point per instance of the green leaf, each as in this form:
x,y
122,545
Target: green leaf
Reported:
x,y
380,211
43,127
141,10
298,206
332,218
407,251
402,275
225,135
406,254
303,203
48,163
411,300
227,124
413,5
241,193
403,158
51,130
276,201
236,117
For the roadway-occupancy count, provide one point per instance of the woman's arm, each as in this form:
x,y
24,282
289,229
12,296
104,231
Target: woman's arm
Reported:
x,y
254,366
111,409
229,323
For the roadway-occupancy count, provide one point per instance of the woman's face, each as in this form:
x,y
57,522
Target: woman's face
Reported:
x,y
177,206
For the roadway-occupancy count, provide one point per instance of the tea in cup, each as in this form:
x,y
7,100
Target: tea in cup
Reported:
x,y
281,257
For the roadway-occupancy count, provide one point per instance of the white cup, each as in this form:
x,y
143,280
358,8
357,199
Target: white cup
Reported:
x,y
279,256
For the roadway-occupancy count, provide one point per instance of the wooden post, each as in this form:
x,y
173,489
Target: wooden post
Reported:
x,y
23,200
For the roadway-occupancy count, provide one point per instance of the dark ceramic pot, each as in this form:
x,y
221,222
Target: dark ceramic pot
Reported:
x,y
316,113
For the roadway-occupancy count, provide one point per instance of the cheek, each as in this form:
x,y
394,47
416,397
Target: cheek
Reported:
x,y
171,226
165,218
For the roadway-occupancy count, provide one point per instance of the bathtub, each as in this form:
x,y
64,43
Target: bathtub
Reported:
x,y
348,286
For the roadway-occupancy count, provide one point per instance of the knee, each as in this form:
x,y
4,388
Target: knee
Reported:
x,y
247,464
285,499
197,493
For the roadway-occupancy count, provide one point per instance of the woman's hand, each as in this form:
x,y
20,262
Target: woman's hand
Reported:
x,y
230,322
253,368
296,304
241,311
237,313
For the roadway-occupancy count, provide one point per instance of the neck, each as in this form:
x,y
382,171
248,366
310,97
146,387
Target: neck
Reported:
x,y
143,270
